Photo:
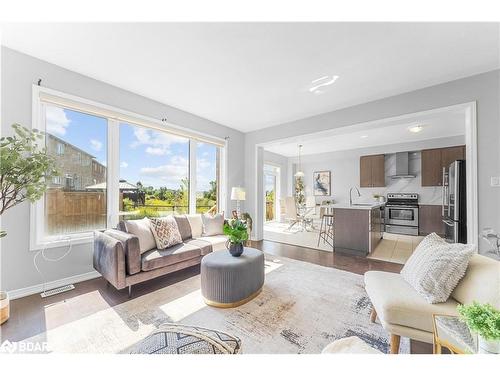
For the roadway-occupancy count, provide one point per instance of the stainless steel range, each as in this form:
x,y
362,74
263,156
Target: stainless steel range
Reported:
x,y
401,213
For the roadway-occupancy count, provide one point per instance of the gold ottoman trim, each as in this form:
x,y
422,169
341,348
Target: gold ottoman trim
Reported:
x,y
233,304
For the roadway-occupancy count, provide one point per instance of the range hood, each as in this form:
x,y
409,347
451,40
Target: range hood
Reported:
x,y
402,166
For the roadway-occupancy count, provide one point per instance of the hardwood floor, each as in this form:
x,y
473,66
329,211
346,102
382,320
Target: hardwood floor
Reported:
x,y
32,315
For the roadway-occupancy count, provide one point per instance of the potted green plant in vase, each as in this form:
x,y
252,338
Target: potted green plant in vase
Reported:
x,y
24,166
237,233
483,319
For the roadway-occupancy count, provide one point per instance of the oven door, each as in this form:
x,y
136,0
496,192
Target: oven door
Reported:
x,y
401,215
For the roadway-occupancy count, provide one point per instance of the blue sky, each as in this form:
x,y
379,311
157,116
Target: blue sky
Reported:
x,y
153,157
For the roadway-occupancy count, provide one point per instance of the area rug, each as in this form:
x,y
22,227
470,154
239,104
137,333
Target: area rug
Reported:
x,y
302,308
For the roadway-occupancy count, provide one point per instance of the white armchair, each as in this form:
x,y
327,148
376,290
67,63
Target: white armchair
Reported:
x,y
403,312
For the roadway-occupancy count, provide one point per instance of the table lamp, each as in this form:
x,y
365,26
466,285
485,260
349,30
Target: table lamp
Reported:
x,y
238,194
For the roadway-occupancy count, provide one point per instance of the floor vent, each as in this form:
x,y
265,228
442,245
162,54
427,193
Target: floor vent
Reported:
x,y
59,290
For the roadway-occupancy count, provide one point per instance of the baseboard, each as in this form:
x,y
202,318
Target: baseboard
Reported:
x,y
34,289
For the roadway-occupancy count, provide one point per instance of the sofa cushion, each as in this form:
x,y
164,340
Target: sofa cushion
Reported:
x,y
481,282
142,229
212,224
397,302
205,246
218,242
435,267
165,231
196,225
184,227
155,258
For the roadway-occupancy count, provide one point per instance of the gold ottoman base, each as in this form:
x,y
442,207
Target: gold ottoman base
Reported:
x,y
233,304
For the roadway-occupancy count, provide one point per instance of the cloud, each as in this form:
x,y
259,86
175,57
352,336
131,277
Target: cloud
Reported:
x,y
95,145
202,164
56,120
172,173
158,142
157,151
123,164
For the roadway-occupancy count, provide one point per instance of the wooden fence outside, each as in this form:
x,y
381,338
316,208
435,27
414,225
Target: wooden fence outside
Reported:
x,y
74,211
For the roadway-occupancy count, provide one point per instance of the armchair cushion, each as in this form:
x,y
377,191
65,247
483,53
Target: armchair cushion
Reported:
x,y
397,303
481,282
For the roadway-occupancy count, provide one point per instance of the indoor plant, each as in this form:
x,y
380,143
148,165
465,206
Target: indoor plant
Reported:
x,y
24,166
237,233
483,319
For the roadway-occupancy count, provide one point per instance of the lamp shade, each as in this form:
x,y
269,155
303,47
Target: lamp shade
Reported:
x,y
237,194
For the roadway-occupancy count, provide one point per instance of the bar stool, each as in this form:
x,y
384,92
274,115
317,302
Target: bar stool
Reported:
x,y
327,228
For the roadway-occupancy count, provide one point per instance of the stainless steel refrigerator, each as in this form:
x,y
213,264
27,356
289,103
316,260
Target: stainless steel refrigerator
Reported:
x,y
454,208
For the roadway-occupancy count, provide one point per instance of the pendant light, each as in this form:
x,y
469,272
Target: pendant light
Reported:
x,y
299,173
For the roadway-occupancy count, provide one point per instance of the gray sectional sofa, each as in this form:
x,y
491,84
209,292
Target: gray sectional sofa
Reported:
x,y
124,259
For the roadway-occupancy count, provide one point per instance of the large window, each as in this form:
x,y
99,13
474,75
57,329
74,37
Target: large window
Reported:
x,y
154,173
116,165
207,177
75,200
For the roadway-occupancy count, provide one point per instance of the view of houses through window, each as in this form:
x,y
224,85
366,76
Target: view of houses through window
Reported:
x,y
153,171
75,200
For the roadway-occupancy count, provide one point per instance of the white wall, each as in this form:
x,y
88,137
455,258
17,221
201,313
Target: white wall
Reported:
x,y
344,167
482,88
19,73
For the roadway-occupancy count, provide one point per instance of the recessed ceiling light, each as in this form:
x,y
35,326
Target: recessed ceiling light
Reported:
x,y
321,82
416,128
364,136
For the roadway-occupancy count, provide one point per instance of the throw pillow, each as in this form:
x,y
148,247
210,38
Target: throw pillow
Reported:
x,y
212,225
196,225
165,232
142,229
436,267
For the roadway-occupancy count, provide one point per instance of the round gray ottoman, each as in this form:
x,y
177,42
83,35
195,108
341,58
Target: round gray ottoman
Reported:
x,y
228,281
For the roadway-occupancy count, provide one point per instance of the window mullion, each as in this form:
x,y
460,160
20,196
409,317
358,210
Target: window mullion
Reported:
x,y
113,175
192,176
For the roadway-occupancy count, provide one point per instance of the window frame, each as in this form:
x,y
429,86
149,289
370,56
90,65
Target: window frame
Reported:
x,y
42,96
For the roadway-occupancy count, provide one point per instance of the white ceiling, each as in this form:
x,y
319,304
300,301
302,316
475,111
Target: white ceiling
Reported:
x,y
448,123
254,75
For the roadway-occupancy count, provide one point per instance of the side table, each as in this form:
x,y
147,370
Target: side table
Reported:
x,y
453,334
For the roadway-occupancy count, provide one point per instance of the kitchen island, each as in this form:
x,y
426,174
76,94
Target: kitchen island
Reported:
x,y
358,227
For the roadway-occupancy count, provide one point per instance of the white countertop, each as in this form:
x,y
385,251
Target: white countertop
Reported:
x,y
354,207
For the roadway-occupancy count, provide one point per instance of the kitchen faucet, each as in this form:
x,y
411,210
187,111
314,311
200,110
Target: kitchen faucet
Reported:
x,y
350,194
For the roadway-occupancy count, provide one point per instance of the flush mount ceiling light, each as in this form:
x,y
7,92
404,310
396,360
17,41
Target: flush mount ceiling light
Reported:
x,y
321,82
416,128
364,136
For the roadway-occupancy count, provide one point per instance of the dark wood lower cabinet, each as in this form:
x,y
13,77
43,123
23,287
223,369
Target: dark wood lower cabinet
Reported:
x,y
430,219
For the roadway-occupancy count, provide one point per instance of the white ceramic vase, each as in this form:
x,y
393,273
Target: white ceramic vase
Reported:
x,y
488,346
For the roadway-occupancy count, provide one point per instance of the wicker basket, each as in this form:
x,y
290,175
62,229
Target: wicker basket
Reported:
x,y
4,307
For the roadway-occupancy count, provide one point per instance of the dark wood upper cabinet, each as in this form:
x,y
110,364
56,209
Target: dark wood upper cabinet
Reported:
x,y
432,171
372,171
433,161
365,171
450,154
378,170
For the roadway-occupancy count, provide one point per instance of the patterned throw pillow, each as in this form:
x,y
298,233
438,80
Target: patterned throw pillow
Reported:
x,y
165,231
436,267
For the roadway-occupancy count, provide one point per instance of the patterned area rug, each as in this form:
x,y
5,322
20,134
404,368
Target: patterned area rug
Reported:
x,y
302,308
